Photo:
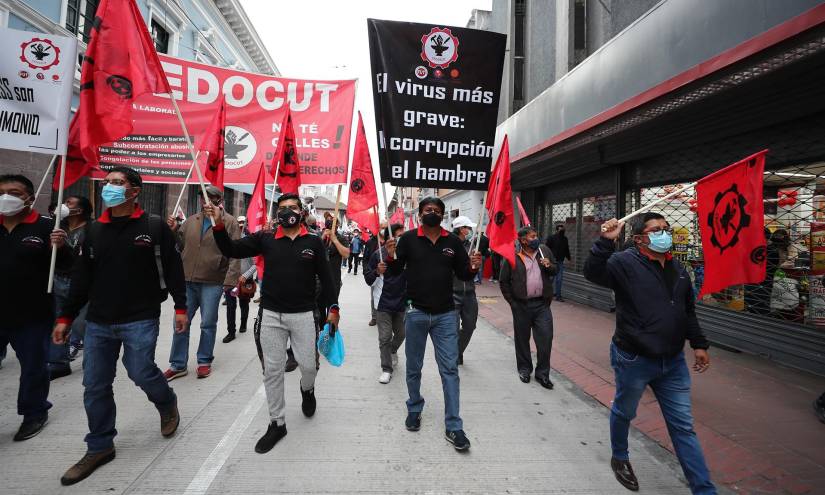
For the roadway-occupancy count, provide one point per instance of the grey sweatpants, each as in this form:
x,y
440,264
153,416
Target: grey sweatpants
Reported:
x,y
390,336
276,329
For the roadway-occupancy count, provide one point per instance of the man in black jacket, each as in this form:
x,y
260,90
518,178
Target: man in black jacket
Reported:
x,y
26,241
529,289
655,314
128,262
431,256
561,251
390,293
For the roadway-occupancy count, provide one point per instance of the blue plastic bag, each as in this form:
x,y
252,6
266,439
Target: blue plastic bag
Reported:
x,y
331,345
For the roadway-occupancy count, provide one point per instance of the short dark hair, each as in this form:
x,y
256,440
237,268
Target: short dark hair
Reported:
x,y
431,200
559,226
522,232
288,196
5,179
85,205
395,227
639,223
132,175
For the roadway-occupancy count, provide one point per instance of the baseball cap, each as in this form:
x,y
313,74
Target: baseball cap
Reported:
x,y
241,219
463,221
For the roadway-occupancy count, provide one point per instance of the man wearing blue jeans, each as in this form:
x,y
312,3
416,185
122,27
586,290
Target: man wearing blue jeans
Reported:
x,y
431,256
655,314
128,265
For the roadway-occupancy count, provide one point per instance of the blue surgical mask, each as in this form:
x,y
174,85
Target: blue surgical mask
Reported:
x,y
660,242
534,244
113,195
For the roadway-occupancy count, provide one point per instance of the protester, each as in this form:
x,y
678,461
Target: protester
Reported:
x,y
655,314
337,250
464,293
390,295
312,224
375,241
128,265
528,288
560,247
431,256
240,294
293,259
208,274
76,212
355,247
25,241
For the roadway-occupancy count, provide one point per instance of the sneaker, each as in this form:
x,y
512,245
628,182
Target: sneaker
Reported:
x,y
385,378
270,438
413,422
458,439
308,403
30,428
229,338
204,370
394,359
169,421
172,373
74,350
86,466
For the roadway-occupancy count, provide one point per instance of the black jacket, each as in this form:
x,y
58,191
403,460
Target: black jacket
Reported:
x,y
394,292
513,283
117,271
370,247
651,319
560,246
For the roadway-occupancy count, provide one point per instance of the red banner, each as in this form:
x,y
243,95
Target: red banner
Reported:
x,y
255,107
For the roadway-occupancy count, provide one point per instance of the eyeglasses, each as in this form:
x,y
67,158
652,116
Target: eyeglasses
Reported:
x,y
659,231
114,182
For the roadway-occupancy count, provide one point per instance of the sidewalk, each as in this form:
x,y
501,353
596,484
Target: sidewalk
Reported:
x,y
753,417
525,439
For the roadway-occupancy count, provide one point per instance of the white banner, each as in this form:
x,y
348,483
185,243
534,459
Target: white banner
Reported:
x,y
36,79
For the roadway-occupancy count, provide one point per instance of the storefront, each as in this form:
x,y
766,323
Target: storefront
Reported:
x,y
756,85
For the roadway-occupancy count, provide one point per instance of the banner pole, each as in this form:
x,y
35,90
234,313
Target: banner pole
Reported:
x,y
191,151
53,261
45,176
185,183
274,185
658,201
335,218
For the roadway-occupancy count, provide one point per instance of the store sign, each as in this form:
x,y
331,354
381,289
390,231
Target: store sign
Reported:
x,y
36,78
436,93
255,106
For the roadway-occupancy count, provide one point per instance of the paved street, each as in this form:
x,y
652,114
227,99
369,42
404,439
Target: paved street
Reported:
x,y
525,439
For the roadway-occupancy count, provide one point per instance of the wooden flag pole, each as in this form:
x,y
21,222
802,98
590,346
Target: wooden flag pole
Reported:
x,y
191,151
658,201
45,176
335,217
57,219
185,183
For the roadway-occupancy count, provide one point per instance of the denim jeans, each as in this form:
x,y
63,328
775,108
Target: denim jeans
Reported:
x,y
31,344
100,353
207,297
443,331
669,379
558,278
59,354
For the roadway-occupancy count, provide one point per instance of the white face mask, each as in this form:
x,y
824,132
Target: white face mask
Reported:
x,y
64,211
11,205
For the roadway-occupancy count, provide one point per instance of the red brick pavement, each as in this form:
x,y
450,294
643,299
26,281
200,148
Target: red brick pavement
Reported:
x,y
753,417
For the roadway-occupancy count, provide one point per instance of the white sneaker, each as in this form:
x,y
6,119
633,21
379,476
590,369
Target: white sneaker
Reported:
x,y
385,378
394,360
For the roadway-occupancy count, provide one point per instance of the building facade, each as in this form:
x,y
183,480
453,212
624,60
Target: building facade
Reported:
x,y
214,32
663,94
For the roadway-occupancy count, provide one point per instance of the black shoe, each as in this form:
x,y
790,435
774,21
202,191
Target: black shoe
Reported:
x,y
229,338
545,382
291,364
458,439
270,438
413,422
819,409
524,377
461,359
30,428
308,403
624,474
59,372
243,328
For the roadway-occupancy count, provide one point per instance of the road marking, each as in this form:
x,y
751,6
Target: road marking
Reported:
x,y
213,464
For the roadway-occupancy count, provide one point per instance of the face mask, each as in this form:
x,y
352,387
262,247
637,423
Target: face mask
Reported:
x,y
288,218
11,205
113,195
431,219
534,244
328,224
64,211
660,243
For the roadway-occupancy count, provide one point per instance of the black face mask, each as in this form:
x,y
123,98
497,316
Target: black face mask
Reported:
x,y
431,219
288,218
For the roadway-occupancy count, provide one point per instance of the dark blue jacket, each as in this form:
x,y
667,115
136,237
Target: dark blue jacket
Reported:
x,y
394,294
651,320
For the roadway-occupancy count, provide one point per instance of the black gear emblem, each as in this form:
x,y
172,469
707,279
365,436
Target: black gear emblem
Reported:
x,y
357,185
728,218
759,255
499,217
120,85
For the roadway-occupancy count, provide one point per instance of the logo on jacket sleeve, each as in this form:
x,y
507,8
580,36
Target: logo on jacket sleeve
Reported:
x,y
143,240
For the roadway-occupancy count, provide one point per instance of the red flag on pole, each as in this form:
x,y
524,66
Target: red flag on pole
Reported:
x,y
397,216
286,158
256,213
493,184
367,219
213,142
410,224
501,229
524,219
362,192
732,224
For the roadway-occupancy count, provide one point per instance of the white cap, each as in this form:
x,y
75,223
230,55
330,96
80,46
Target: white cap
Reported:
x,y
241,219
463,221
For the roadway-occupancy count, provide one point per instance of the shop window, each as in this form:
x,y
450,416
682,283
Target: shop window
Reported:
x,y
519,35
579,32
595,210
160,36
80,15
568,215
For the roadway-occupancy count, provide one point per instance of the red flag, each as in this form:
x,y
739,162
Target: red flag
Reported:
x,y
732,224
397,216
492,186
410,225
286,158
79,164
256,213
362,192
213,143
367,219
501,229
120,65
524,219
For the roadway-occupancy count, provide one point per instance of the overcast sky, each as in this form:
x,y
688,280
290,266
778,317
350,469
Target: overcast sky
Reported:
x,y
327,39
